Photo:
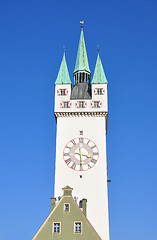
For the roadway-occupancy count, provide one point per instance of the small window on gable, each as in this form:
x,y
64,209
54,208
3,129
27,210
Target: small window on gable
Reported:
x,y
56,228
99,91
62,92
78,227
66,207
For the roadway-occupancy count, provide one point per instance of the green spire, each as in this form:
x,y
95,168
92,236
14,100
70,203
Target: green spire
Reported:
x,y
99,75
63,75
82,60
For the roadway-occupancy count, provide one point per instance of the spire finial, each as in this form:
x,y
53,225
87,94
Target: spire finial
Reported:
x,y
82,22
64,48
98,48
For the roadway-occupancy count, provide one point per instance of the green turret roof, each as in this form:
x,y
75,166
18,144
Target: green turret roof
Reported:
x,y
82,60
63,75
99,75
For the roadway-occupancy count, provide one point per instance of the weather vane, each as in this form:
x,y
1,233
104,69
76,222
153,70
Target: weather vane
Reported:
x,y
82,22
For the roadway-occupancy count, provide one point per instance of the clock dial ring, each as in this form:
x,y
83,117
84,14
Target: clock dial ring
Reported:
x,y
81,154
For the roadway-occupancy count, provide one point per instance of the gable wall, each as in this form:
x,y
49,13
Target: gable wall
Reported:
x,y
67,220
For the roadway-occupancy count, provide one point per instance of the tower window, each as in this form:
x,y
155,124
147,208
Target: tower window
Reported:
x,y
96,104
81,104
66,105
81,132
66,207
62,92
99,91
78,227
56,228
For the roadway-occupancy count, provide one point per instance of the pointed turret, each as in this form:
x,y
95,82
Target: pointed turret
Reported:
x,y
82,72
99,75
63,74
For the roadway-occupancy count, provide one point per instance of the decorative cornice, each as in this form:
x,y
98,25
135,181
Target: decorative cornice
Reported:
x,y
81,114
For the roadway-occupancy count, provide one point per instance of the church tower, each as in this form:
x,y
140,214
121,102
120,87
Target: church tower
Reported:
x,y
81,112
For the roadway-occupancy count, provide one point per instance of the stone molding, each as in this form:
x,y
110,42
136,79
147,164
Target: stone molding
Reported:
x,y
81,114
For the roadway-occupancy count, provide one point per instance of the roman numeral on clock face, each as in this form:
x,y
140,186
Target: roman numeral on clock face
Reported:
x,y
89,166
93,160
81,168
67,147
66,154
81,140
73,166
68,161
73,141
93,146
95,153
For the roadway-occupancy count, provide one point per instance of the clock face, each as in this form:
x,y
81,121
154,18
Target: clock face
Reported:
x,y
80,154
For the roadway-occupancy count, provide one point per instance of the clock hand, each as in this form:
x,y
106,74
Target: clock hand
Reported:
x,y
86,155
80,156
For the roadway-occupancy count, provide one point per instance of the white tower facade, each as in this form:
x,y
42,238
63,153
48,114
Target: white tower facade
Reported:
x,y
81,113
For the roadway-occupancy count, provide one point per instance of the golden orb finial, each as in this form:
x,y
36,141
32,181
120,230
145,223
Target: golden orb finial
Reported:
x,y
82,22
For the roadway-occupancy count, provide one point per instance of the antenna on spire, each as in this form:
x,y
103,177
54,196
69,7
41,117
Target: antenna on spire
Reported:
x,y
82,22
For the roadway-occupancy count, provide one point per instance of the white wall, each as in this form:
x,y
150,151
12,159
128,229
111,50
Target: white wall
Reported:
x,y
93,184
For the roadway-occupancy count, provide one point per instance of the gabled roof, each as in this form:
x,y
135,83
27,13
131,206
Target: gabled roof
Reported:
x,y
81,60
63,74
67,188
99,75
67,220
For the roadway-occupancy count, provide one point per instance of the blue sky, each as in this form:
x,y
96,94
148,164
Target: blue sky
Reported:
x,y
32,35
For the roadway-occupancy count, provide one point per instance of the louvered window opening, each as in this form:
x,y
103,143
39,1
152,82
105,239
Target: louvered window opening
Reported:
x,y
81,77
